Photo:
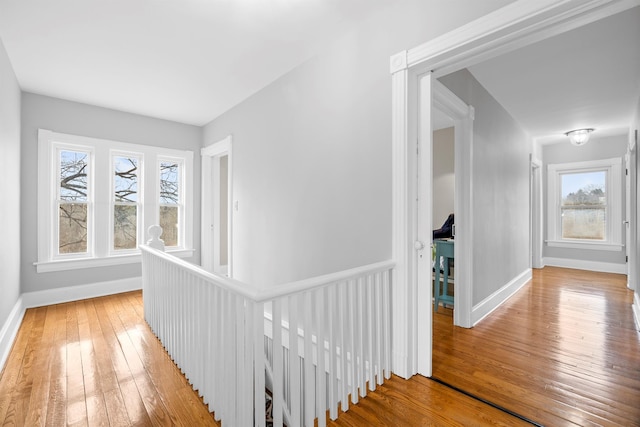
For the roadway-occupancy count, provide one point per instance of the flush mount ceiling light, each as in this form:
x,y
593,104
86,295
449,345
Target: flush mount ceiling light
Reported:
x,y
579,136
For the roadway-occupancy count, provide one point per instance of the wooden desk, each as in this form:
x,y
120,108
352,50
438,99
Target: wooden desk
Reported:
x,y
444,249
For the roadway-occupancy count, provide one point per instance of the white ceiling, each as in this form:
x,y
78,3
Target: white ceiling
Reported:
x,y
586,78
182,60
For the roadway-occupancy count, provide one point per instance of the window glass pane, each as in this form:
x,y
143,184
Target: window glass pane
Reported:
x,y
74,168
583,205
72,228
125,194
73,197
125,227
169,184
169,224
126,179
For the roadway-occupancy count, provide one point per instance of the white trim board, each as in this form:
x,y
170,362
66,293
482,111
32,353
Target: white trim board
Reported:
x,y
495,300
9,330
580,264
57,296
636,309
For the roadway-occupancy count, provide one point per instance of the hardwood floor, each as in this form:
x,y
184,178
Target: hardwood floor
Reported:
x,y
562,352
94,362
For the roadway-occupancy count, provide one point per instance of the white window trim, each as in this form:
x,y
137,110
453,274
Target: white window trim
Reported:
x,y
613,167
100,253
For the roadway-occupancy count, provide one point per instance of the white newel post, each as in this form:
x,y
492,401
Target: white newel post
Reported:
x,y
155,231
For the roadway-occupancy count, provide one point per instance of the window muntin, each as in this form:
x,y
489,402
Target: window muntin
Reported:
x,y
73,198
170,202
125,206
583,205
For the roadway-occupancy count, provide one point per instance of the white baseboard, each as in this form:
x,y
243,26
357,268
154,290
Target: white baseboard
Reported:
x,y
636,309
75,293
493,301
57,296
579,264
10,330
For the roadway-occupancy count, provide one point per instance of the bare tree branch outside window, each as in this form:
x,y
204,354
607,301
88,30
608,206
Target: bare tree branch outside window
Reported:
x,y
125,209
169,201
73,196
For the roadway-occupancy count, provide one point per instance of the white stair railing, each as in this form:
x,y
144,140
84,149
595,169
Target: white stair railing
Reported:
x,y
324,340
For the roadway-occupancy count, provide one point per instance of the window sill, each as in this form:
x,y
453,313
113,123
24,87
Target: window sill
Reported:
x,y
80,263
596,246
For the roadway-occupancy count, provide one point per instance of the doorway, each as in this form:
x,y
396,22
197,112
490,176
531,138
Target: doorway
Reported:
x,y
217,249
414,74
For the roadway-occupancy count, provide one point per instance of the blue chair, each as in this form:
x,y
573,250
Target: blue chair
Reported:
x,y
444,249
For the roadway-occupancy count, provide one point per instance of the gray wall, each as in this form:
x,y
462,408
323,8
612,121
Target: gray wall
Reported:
x,y
312,151
596,149
86,120
500,217
444,180
9,187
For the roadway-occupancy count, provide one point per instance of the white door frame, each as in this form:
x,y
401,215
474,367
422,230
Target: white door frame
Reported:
x,y
211,155
535,225
518,24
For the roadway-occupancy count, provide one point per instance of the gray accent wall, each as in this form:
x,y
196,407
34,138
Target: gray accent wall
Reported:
x,y
312,151
9,187
80,119
596,149
500,189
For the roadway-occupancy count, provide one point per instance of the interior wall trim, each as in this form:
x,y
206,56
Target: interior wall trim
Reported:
x,y
9,330
636,309
493,301
580,264
27,300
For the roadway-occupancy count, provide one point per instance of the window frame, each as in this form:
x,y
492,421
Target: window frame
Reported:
x,y
100,252
613,208
139,204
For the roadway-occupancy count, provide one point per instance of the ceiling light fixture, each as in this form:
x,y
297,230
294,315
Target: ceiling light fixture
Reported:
x,y
579,136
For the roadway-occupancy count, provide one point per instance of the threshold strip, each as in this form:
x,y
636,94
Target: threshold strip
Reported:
x,y
494,405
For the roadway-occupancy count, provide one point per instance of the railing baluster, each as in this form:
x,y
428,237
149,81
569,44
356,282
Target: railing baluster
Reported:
x,y
294,360
321,375
214,331
258,331
277,392
332,310
309,396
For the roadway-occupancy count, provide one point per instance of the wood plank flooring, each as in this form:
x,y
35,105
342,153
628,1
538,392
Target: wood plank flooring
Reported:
x,y
94,362
563,352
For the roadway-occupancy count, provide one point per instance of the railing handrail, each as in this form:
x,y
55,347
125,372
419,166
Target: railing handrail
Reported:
x,y
227,283
262,295
324,280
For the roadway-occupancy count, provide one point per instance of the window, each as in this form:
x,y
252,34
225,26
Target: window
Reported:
x,y
124,209
170,212
96,198
585,205
73,201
